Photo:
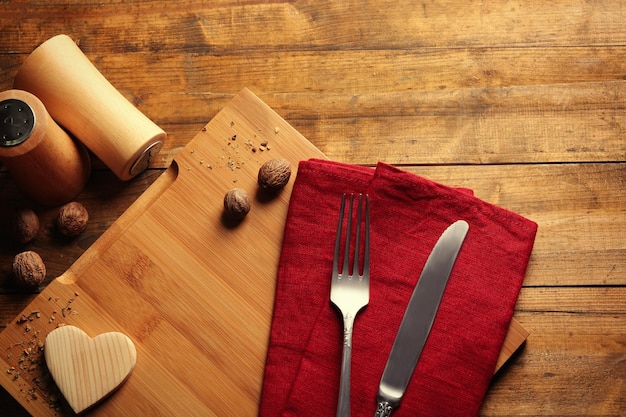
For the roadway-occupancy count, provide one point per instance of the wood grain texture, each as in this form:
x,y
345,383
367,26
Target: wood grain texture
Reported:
x,y
159,260
523,102
198,273
87,370
82,100
49,166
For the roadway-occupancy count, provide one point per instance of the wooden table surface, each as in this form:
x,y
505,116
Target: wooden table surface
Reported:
x,y
524,102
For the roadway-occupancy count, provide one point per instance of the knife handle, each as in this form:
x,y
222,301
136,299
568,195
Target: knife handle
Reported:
x,y
383,409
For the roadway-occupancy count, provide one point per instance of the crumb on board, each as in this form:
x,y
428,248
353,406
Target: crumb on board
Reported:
x,y
25,358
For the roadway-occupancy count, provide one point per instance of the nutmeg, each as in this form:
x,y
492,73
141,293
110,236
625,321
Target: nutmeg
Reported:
x,y
72,219
237,203
25,225
29,270
274,174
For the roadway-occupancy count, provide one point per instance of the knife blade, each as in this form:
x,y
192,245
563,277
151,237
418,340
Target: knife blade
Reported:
x,y
418,318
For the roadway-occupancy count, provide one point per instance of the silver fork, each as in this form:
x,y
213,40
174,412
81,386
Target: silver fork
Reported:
x,y
350,292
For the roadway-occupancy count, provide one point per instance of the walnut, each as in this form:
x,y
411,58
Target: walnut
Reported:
x,y
29,270
26,225
237,203
274,174
72,219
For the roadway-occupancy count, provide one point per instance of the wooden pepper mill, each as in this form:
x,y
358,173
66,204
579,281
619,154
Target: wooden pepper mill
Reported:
x,y
83,101
47,165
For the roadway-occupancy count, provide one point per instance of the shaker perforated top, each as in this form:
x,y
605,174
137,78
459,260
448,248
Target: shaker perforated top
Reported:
x,y
17,121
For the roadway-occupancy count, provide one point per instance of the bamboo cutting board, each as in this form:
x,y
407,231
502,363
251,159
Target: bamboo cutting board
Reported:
x,y
193,292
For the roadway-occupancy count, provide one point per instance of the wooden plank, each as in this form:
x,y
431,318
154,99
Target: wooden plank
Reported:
x,y
435,127
440,127
350,72
225,26
344,72
573,361
582,120
572,365
573,300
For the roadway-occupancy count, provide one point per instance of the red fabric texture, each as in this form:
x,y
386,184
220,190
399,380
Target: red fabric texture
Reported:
x,y
408,214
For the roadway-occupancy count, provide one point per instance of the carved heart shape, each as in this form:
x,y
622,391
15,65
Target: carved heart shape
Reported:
x,y
87,370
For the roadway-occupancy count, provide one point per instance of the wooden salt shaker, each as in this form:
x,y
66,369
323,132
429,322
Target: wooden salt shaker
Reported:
x,y
83,101
46,164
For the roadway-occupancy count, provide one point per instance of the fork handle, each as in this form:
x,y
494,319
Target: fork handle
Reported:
x,y
343,406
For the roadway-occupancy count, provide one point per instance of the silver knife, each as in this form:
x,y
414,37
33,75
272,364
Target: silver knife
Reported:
x,y
418,318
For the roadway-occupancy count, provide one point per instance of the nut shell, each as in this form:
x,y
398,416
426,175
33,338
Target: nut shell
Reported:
x,y
237,203
274,174
26,225
29,270
72,219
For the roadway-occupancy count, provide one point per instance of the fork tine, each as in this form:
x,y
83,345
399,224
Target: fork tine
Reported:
x,y
338,237
357,243
366,255
346,252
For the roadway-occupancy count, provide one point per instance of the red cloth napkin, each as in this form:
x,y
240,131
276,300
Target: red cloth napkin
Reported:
x,y
408,214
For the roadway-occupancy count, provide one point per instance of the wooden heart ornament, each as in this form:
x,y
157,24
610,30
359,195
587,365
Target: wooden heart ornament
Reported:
x,y
85,369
